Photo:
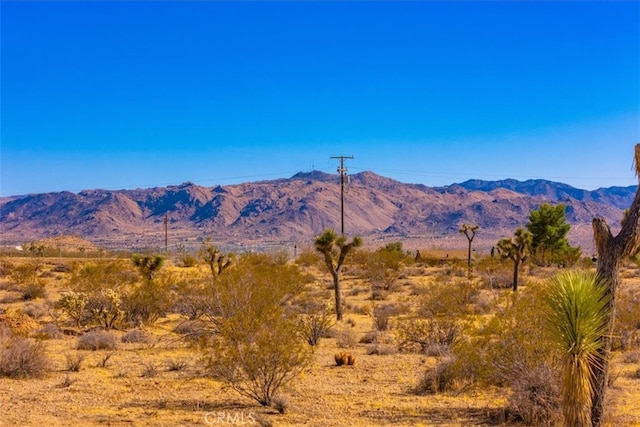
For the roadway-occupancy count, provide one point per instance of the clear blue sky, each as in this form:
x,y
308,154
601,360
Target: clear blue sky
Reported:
x,y
138,94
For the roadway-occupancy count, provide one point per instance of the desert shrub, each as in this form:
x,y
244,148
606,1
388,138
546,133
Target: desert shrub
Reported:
x,y
136,335
437,379
67,382
189,260
418,289
28,281
35,311
96,340
315,322
32,291
93,276
74,362
626,331
344,359
380,268
25,274
105,307
49,331
382,314
192,294
438,333
74,305
104,360
362,309
149,370
381,349
23,358
149,300
369,338
280,404
515,335
196,331
18,323
346,338
535,396
257,348
494,272
308,257
175,365
448,297
6,267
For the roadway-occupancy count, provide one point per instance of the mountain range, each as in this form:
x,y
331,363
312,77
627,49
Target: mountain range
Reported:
x,y
292,210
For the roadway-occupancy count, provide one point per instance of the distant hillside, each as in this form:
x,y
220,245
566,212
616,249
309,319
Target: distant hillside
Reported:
x,y
620,197
295,209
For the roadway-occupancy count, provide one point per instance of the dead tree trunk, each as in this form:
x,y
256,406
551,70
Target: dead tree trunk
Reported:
x,y
611,252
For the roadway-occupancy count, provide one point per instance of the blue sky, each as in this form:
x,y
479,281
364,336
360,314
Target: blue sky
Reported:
x,y
140,94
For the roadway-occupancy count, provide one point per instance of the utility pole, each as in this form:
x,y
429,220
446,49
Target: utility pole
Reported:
x,y
343,173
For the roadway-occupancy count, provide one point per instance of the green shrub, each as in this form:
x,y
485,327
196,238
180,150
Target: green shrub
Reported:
x,y
515,335
448,297
257,348
74,304
149,300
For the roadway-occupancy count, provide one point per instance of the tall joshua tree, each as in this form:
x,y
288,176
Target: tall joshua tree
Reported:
x,y
470,232
335,250
516,248
611,251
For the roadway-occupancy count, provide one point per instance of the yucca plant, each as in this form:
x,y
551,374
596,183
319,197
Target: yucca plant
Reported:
x,y
577,316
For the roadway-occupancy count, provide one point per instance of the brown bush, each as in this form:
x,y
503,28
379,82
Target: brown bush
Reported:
x,y
23,358
135,336
18,323
437,379
535,397
96,340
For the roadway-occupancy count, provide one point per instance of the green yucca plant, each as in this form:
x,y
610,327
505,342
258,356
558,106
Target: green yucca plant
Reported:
x,y
577,317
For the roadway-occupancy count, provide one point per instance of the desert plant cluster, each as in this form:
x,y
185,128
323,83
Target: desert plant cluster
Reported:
x,y
256,338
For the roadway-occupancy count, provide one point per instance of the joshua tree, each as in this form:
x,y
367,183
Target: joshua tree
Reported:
x,y
335,250
147,264
611,252
516,248
470,232
577,317
216,261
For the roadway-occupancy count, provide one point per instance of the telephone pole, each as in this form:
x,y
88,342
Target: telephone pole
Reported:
x,y
343,173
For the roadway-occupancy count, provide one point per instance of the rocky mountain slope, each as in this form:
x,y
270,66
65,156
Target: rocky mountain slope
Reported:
x,y
293,210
